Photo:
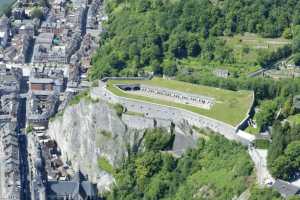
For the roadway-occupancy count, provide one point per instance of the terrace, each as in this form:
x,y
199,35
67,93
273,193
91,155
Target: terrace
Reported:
x,y
227,106
169,95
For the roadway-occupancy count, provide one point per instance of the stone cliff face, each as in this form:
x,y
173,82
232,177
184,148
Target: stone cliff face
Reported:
x,y
89,131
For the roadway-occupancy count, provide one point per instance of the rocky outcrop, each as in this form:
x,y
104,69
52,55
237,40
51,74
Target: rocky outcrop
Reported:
x,y
89,131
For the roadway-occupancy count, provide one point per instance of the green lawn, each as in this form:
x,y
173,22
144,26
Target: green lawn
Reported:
x,y
230,107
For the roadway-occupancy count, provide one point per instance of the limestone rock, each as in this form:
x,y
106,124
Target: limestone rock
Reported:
x,y
89,131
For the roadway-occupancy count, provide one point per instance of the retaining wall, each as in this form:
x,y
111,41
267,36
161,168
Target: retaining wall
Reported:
x,y
105,79
152,110
244,123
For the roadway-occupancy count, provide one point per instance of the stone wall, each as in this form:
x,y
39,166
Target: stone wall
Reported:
x,y
126,78
140,123
176,115
244,123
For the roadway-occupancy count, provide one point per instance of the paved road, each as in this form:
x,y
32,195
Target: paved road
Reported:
x,y
259,158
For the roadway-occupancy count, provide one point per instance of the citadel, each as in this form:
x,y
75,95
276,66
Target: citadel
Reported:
x,y
43,67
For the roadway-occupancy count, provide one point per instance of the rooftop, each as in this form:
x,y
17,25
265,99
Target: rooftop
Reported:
x,y
285,189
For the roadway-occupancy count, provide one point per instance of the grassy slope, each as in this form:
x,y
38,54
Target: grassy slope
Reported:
x,y
230,107
255,44
245,61
241,69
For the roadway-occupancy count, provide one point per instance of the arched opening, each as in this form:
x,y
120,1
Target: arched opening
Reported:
x,y
136,88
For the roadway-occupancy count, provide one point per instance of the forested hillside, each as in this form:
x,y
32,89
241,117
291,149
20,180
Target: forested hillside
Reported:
x,y
153,35
185,38
201,173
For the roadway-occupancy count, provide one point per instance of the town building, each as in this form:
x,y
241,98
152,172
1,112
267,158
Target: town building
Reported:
x,y
77,188
10,183
4,31
45,85
46,52
285,189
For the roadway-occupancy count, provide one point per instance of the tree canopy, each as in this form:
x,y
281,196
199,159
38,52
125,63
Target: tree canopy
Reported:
x,y
142,34
201,173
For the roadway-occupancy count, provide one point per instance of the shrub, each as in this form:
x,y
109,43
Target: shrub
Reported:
x,y
158,139
29,128
104,164
119,109
297,59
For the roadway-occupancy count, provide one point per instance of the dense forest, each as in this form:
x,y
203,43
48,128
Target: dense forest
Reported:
x,y
284,151
275,102
201,173
152,35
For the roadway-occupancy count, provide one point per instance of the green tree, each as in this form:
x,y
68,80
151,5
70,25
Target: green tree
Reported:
x,y
296,39
278,143
266,114
158,139
119,109
288,108
146,166
287,33
287,165
37,12
170,68
264,194
296,59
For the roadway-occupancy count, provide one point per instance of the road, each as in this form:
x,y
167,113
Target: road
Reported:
x,y
259,158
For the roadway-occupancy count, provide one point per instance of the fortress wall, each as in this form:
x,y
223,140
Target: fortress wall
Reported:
x,y
104,79
141,123
170,113
137,122
244,123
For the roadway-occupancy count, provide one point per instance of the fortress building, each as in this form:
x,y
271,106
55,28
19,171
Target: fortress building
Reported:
x,y
168,94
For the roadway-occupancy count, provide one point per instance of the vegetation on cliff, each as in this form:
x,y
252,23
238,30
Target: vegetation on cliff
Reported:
x,y
201,173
